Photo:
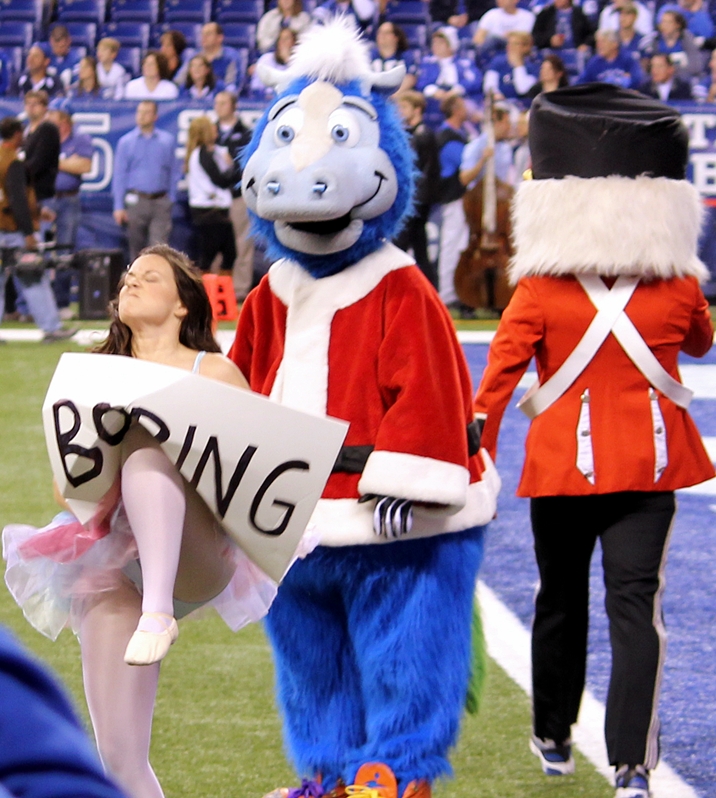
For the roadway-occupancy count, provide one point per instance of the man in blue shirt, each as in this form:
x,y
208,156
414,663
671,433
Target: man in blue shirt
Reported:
x,y
610,64
64,59
146,171
75,160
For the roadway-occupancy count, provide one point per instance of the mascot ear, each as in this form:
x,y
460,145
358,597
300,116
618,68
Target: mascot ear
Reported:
x,y
385,82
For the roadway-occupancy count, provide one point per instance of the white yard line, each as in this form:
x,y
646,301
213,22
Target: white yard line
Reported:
x,y
508,643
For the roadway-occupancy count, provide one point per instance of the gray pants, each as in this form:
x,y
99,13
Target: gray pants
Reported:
x,y
150,222
244,264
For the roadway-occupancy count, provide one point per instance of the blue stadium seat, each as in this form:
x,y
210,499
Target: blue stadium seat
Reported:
x,y
191,31
417,35
22,11
128,34
134,11
16,34
81,11
83,34
247,11
240,36
408,12
131,59
187,11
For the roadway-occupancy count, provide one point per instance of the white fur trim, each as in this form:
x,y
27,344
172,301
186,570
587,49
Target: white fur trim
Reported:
x,y
302,378
344,522
647,227
334,52
410,476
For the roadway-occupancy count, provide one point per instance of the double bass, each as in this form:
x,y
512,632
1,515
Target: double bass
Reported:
x,y
481,273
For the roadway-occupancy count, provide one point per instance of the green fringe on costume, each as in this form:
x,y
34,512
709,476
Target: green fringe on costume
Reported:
x,y
478,664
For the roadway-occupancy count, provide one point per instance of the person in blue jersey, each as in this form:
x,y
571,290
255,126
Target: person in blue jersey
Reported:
x,y
696,14
391,48
673,38
610,64
201,82
513,73
64,58
443,72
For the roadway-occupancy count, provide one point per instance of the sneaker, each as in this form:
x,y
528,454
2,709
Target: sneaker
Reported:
x,y
632,782
556,759
59,335
377,781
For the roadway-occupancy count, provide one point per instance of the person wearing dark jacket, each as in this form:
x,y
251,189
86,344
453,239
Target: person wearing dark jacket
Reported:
x,y
210,174
562,25
411,105
664,84
41,145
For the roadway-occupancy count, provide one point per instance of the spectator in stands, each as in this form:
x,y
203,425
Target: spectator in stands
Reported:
x,y
63,58
696,14
278,59
442,73
563,25
610,64
458,13
5,75
552,76
210,173
673,38
663,83
112,76
154,83
451,141
513,73
19,216
609,18
232,134
201,83
173,46
36,77
705,89
362,11
390,49
224,60
76,151
143,197
629,39
493,27
411,105
41,145
287,14
87,87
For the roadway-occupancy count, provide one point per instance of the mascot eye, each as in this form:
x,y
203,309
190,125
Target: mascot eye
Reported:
x,y
287,125
344,127
285,133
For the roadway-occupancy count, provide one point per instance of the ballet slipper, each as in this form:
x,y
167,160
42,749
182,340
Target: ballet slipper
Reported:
x,y
145,648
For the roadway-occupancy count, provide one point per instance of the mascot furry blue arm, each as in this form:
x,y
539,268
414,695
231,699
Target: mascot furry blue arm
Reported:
x,y
371,630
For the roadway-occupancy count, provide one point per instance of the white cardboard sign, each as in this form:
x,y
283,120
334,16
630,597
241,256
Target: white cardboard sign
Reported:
x,y
259,466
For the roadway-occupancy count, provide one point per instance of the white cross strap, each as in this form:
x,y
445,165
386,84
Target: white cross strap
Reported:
x,y
610,305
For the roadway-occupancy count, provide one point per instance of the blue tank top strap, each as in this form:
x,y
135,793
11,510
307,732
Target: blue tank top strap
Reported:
x,y
197,362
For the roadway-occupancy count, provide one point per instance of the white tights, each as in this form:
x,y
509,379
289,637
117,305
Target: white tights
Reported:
x,y
181,553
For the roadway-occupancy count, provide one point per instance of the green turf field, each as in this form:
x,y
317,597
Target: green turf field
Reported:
x,y
216,731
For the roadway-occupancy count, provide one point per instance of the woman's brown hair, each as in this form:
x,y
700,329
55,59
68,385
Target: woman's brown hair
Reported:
x,y
196,327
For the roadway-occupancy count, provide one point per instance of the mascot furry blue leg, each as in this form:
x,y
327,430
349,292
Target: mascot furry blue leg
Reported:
x,y
371,630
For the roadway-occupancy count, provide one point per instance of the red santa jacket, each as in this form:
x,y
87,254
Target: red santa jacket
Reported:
x,y
372,345
548,315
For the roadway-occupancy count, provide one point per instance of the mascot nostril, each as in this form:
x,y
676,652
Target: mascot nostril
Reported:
x,y
345,325
273,187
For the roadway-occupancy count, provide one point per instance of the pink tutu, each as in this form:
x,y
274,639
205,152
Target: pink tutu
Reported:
x,y
50,570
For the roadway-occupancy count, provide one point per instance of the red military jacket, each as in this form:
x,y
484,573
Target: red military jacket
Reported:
x,y
546,318
372,345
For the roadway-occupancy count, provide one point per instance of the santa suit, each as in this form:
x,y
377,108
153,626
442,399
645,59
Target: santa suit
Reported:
x,y
603,459
373,345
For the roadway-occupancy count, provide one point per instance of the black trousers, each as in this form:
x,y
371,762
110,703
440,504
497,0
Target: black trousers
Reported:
x,y
634,531
413,236
216,235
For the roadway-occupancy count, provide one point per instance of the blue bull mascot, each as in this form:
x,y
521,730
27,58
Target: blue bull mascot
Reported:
x,y
371,629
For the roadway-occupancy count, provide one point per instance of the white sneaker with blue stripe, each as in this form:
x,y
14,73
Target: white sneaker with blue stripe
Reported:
x,y
556,758
632,782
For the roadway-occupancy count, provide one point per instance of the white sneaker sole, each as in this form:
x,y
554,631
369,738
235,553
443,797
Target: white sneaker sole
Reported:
x,y
632,792
554,768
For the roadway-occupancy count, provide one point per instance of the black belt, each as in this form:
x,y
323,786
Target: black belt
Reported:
x,y
61,194
352,459
145,195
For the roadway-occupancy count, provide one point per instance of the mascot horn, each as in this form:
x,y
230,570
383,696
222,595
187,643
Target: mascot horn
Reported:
x,y
371,629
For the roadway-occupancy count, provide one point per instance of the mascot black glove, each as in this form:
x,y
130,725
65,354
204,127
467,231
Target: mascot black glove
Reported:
x,y
392,518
